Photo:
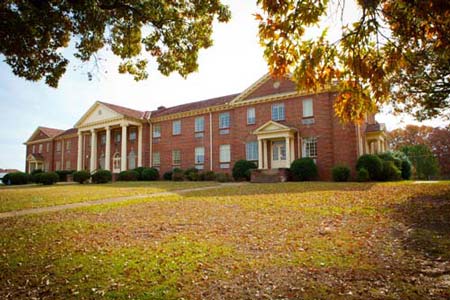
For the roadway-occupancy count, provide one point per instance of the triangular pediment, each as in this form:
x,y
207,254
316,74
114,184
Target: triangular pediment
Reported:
x,y
34,157
98,113
271,126
37,135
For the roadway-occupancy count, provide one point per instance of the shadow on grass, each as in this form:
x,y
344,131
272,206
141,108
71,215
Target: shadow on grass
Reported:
x,y
427,219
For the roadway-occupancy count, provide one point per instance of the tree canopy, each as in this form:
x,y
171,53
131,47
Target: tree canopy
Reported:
x,y
397,52
33,33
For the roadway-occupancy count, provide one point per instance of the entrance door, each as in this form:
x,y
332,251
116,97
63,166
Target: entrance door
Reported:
x,y
278,154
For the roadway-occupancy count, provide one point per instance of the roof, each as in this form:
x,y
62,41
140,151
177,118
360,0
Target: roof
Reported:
x,y
375,127
68,132
137,114
193,106
37,156
51,132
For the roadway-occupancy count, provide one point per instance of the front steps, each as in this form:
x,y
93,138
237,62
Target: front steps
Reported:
x,y
269,175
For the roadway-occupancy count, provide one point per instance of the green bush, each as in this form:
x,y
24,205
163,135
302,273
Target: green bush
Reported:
x,y
242,168
167,175
81,176
340,173
35,175
150,174
304,169
177,174
18,178
390,172
400,160
62,174
129,175
139,170
208,176
5,179
48,178
102,176
372,163
191,174
363,175
223,177
406,169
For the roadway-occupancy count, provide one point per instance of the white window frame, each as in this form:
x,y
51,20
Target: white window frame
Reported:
x,y
309,147
251,151
40,148
176,127
117,137
278,112
58,146
103,139
33,149
224,120
133,135
225,153
199,124
132,160
308,108
68,165
199,158
116,162
48,147
68,145
156,131
176,161
251,116
156,159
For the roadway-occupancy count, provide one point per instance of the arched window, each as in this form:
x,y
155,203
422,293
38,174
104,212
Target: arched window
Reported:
x,y
101,161
131,160
116,162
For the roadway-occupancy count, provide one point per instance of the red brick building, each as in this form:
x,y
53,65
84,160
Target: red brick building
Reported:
x,y
270,123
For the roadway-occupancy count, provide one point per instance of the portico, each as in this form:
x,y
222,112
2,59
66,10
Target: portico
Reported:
x,y
276,148
35,162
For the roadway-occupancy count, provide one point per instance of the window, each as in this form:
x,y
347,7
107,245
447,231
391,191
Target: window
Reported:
x,y
131,160
132,135
103,139
68,145
40,148
68,166
307,108
309,147
101,161
199,155
278,112
176,127
156,159
117,137
251,115
47,166
199,124
116,162
58,146
34,149
176,157
225,156
251,151
224,120
48,147
58,165
157,131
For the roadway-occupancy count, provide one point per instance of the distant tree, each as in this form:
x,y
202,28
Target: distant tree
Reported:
x,y
397,52
410,135
439,141
32,34
424,162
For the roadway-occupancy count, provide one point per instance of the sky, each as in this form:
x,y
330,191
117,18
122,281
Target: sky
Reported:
x,y
232,64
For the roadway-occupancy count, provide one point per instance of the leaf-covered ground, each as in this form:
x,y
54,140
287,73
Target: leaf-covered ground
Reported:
x,y
16,197
257,241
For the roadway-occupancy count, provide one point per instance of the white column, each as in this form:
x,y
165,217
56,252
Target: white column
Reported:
x,y
260,154
139,164
380,150
292,151
93,165
108,149
123,159
80,152
266,154
288,151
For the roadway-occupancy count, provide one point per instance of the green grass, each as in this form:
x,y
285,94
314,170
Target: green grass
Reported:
x,y
18,198
280,241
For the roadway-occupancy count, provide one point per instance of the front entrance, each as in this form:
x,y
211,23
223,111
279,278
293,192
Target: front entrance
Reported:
x,y
278,154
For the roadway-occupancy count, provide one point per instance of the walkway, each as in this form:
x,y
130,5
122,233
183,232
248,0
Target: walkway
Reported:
x,y
38,210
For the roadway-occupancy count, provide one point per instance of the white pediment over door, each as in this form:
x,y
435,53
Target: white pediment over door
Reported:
x,y
98,113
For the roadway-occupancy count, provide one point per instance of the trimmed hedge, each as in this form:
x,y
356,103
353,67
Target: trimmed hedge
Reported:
x,y
390,172
177,174
242,168
34,176
5,179
223,177
81,176
48,178
304,169
167,175
102,176
150,174
340,173
128,176
372,163
139,170
363,175
16,178
62,174
208,176
191,174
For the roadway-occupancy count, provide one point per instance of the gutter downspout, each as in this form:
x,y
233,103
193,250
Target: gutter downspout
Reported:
x,y
210,142
151,140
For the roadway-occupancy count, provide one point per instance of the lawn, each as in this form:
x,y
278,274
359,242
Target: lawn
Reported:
x,y
16,198
259,241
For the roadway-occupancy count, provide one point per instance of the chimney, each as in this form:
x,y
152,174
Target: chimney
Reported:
x,y
161,107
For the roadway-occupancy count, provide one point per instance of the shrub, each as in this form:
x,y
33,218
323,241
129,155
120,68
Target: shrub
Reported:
x,y
303,169
390,172
177,175
400,160
150,174
223,177
81,176
129,175
139,170
35,174
191,174
5,179
406,169
372,164
167,175
242,168
363,175
101,176
208,176
62,174
18,178
340,173
48,178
